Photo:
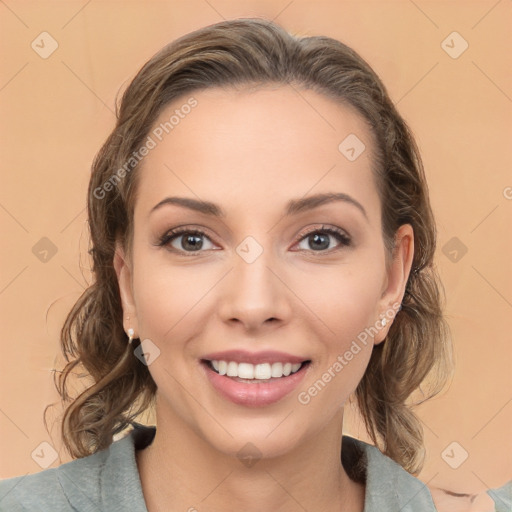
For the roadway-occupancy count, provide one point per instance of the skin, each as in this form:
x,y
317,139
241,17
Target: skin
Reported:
x,y
448,501
250,152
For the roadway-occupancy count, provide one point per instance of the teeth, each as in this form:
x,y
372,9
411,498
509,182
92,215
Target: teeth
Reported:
x,y
255,371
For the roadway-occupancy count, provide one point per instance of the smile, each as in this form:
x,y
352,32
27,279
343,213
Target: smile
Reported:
x,y
254,385
250,371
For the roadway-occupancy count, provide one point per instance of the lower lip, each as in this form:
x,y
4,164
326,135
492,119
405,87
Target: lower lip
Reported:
x,y
254,394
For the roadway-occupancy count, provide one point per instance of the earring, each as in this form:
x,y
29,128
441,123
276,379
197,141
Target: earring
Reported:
x,y
130,335
383,322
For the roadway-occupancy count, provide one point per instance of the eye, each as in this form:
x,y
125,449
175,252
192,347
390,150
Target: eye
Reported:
x,y
192,240
186,240
319,239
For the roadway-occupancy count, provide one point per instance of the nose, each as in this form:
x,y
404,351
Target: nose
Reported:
x,y
254,295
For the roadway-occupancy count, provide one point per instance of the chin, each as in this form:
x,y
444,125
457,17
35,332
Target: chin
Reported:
x,y
249,446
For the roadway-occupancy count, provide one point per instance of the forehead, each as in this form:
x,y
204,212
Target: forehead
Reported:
x,y
246,147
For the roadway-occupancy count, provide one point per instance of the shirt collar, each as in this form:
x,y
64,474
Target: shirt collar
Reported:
x,y
117,484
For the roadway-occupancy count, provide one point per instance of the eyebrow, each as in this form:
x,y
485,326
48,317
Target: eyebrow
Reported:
x,y
293,206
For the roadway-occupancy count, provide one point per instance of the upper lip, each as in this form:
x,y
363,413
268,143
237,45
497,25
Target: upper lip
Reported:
x,y
243,356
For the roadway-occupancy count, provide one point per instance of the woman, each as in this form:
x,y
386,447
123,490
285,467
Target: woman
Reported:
x,y
263,249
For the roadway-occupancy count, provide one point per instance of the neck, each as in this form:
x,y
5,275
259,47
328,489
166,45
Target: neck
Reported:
x,y
181,471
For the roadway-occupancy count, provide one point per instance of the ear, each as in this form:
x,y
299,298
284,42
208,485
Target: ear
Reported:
x,y
123,269
396,280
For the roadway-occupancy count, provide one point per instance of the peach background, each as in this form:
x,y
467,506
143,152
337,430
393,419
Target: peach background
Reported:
x,y
57,111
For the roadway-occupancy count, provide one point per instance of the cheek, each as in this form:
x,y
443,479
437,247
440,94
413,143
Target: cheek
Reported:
x,y
343,350
343,298
344,303
353,312
169,298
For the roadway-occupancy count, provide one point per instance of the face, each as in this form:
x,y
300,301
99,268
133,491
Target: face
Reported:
x,y
263,271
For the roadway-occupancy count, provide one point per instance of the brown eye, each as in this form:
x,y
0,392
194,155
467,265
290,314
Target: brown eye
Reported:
x,y
185,240
319,240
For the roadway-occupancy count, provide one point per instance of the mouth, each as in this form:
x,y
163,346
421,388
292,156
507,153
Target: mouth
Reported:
x,y
254,373
254,385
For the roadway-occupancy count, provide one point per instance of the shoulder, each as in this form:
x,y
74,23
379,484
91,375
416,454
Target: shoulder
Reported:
x,y
502,497
388,485
55,488
49,489
97,482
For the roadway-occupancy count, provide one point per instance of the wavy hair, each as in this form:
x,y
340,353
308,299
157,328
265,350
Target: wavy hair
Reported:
x,y
252,52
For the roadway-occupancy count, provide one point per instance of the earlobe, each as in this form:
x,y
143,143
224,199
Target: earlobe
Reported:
x,y
397,277
123,270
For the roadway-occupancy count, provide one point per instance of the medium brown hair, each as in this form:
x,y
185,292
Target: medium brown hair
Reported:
x,y
252,52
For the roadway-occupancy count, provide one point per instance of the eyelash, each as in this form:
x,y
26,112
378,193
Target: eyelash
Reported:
x,y
341,236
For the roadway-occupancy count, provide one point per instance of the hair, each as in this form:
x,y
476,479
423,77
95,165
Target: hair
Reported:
x,y
253,52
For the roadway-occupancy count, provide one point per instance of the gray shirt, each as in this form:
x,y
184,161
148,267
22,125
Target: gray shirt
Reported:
x,y
109,481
